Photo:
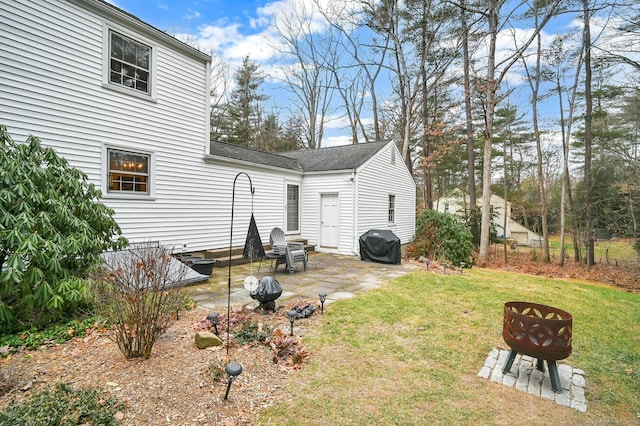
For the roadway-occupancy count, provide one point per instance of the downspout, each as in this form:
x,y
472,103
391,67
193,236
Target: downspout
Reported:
x,y
354,209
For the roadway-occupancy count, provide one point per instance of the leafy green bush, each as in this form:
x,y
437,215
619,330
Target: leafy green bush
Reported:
x,y
59,333
62,406
52,227
473,218
443,236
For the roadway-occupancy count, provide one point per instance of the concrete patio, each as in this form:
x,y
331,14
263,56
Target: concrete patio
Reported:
x,y
339,276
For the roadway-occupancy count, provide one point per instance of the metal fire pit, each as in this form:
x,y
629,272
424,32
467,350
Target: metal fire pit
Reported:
x,y
540,331
266,293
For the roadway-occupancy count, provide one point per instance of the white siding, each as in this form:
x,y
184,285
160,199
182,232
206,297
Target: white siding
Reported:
x,y
313,186
269,200
51,85
363,199
376,180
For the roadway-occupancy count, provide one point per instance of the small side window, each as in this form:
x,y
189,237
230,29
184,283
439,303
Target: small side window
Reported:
x,y
392,208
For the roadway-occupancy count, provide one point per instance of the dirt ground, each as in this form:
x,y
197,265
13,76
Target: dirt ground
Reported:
x,y
177,385
183,385
622,275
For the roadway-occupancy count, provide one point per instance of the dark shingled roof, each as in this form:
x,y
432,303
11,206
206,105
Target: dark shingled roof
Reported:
x,y
345,157
237,152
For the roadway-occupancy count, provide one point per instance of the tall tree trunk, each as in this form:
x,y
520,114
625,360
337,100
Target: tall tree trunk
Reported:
x,y
471,161
566,196
490,101
565,176
536,131
588,184
426,137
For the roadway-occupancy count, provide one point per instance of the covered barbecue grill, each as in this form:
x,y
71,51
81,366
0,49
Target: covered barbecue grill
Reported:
x,y
380,245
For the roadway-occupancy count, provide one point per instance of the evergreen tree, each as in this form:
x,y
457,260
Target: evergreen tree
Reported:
x,y
245,108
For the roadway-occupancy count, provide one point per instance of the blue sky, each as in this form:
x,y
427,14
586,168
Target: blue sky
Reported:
x,y
235,29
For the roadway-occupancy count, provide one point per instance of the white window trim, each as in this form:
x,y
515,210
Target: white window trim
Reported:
x,y
106,60
104,175
395,210
286,209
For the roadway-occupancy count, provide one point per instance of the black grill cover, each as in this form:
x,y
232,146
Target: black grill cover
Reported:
x,y
380,245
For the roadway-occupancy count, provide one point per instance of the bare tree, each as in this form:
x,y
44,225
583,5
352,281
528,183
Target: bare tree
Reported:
x,y
497,19
588,183
559,62
307,75
219,95
534,77
357,73
466,78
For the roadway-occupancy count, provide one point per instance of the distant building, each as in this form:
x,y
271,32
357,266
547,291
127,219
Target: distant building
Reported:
x,y
457,202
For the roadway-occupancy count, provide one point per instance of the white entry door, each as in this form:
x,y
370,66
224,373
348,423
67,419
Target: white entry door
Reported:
x,y
329,220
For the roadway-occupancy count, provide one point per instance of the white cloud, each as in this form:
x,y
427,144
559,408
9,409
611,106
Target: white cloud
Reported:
x,y
163,6
192,14
336,141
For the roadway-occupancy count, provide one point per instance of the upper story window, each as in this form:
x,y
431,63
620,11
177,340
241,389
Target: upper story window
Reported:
x,y
128,172
129,63
392,208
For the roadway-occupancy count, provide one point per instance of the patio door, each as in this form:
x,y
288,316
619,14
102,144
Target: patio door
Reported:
x,y
329,221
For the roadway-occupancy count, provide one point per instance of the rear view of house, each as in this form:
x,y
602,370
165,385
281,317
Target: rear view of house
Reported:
x,y
129,105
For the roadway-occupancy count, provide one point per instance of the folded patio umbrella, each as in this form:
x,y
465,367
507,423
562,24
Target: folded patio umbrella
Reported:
x,y
253,245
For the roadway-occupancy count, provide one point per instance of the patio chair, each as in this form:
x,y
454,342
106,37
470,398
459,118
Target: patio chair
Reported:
x,y
286,252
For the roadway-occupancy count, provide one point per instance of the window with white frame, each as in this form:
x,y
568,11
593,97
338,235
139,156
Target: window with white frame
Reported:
x,y
128,172
129,63
392,208
293,203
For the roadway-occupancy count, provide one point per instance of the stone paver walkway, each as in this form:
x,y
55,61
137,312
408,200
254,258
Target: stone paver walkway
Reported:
x,y
340,277
525,377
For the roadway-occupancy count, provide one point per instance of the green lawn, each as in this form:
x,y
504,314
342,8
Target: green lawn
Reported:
x,y
409,354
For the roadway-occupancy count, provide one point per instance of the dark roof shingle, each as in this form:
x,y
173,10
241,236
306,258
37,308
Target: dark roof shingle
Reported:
x,y
344,157
237,152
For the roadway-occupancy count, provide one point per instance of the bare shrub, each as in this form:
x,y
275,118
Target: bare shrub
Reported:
x,y
139,293
9,379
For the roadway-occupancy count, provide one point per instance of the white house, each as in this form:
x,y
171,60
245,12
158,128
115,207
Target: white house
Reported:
x,y
129,105
330,196
457,202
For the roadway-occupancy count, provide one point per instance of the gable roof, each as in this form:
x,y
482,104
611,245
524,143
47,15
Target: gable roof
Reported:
x,y
345,157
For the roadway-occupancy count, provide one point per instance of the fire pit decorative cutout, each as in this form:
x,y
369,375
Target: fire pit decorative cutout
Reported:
x,y
540,331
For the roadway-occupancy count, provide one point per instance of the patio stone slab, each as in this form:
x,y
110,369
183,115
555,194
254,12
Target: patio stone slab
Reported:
x,y
525,377
338,276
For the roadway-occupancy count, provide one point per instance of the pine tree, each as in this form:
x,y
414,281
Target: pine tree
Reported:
x,y
245,108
